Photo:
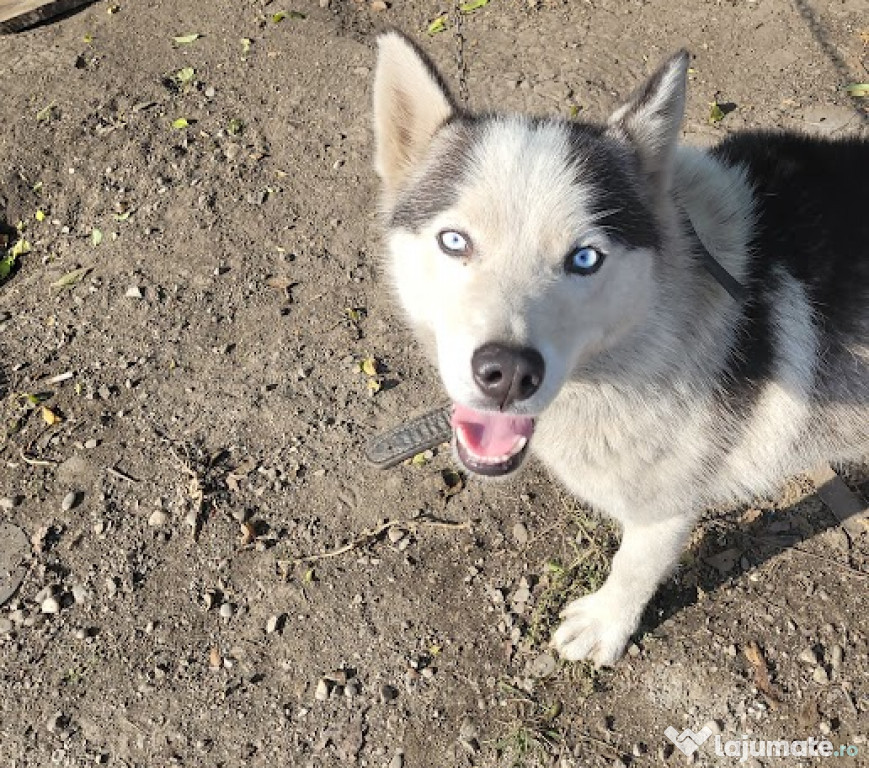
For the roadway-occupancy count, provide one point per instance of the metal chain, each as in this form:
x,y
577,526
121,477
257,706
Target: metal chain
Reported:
x,y
460,52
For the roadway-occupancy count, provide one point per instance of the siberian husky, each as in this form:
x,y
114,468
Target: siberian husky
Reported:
x,y
665,328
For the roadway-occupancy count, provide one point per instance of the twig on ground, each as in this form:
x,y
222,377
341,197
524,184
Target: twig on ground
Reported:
x,y
122,475
37,462
375,533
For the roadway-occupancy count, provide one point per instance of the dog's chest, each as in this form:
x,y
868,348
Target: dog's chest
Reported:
x,y
626,460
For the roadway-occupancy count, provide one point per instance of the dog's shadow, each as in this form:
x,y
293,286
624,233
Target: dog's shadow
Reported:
x,y
739,542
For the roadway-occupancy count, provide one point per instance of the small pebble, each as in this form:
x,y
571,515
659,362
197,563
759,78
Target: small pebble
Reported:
x,y
543,666
322,691
158,517
43,593
79,593
713,727
837,655
395,535
388,692
227,611
81,634
272,624
820,676
256,196
134,292
338,677
520,534
7,503
522,595
397,760
379,5
54,722
90,444
50,605
70,501
351,690
633,650
6,626
809,656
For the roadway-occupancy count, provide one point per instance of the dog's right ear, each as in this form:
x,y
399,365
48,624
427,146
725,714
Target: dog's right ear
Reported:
x,y
410,105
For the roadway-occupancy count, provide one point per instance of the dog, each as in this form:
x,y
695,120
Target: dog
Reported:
x,y
665,328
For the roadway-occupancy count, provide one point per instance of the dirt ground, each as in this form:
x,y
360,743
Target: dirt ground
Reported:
x,y
212,289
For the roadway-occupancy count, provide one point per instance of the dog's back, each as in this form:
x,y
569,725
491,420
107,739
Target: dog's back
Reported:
x,y
810,243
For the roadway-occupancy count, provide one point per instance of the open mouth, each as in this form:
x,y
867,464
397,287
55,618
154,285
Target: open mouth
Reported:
x,y
489,442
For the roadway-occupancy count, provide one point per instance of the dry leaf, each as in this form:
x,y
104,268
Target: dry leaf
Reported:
x,y
755,657
281,283
50,417
716,114
71,278
438,25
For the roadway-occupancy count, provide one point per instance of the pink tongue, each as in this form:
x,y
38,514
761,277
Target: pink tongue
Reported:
x,y
489,433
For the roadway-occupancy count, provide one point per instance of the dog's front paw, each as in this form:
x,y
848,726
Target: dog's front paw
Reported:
x,y
596,627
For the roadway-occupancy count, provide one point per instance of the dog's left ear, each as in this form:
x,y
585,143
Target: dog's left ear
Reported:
x,y
651,119
411,104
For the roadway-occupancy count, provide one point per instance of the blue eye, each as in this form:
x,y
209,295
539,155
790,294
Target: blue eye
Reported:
x,y
583,261
454,243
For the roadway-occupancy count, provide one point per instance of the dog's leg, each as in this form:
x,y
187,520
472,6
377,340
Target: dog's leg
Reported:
x,y
598,626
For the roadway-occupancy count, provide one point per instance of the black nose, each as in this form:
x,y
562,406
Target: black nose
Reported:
x,y
507,374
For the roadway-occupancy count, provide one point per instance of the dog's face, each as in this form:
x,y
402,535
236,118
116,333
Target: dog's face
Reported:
x,y
519,248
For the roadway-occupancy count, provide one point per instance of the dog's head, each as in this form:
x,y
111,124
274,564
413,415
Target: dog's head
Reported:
x,y
520,248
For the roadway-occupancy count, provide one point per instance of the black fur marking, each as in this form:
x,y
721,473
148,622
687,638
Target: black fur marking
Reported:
x,y
613,172
438,186
812,221
603,164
